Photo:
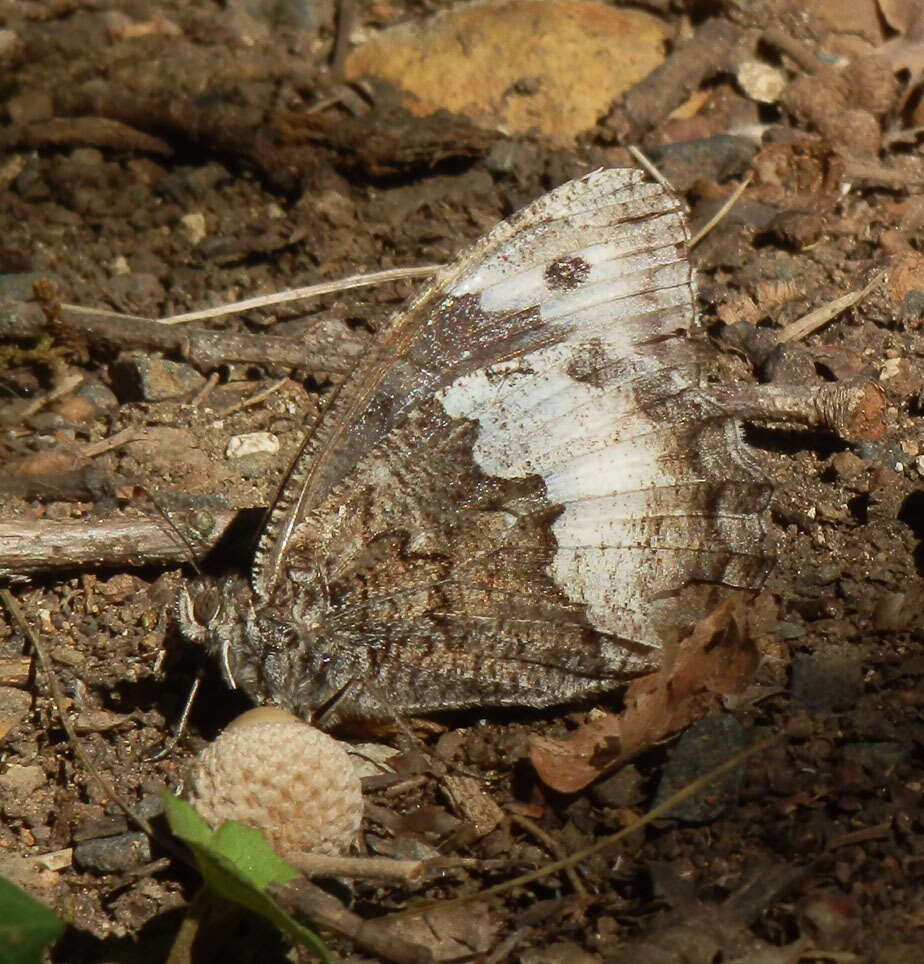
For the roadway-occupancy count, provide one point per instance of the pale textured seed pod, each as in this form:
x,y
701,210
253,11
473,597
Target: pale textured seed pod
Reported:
x,y
272,771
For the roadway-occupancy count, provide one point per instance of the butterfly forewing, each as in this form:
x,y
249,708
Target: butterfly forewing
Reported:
x,y
516,496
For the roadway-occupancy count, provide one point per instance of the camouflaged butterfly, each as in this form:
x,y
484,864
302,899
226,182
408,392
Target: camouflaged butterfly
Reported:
x,y
519,496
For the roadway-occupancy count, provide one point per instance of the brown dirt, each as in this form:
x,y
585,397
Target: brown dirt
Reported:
x,y
828,823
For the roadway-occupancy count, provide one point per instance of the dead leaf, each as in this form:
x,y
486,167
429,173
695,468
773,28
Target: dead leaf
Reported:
x,y
717,658
541,65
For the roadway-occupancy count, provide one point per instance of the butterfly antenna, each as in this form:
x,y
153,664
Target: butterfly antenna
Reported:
x,y
172,526
172,742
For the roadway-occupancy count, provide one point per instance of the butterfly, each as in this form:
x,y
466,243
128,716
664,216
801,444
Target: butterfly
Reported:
x,y
520,496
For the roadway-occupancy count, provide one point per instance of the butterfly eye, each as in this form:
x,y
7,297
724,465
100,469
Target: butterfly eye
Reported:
x,y
206,606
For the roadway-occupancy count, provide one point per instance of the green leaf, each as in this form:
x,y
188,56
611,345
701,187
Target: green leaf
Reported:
x,y
26,926
238,865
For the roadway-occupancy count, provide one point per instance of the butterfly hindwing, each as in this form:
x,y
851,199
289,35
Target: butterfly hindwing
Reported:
x,y
522,489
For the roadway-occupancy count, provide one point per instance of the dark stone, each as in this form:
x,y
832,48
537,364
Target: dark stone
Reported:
x,y
100,827
757,344
137,292
19,285
98,394
877,758
111,855
717,158
705,745
827,680
151,379
913,305
622,789
790,364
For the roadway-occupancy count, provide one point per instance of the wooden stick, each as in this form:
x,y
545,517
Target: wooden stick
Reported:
x,y
302,897
30,546
318,350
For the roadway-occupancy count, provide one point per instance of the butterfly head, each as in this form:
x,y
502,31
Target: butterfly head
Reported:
x,y
221,617
273,657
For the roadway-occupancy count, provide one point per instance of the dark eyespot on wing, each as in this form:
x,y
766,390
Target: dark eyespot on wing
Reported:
x,y
565,274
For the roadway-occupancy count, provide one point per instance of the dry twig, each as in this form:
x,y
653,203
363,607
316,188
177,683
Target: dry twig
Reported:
x,y
379,938
30,546
315,350
814,320
730,202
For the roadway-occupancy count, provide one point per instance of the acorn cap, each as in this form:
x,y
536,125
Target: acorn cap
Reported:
x,y
274,772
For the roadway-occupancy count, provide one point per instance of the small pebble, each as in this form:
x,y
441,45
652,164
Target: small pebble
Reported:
x,y
193,226
9,43
110,855
14,706
252,443
848,465
889,613
97,394
760,81
19,284
787,630
32,106
790,365
622,789
138,292
22,780
151,379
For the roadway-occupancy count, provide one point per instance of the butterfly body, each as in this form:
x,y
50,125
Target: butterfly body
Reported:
x,y
521,493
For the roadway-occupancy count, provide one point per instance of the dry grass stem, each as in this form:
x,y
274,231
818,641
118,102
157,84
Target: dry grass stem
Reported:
x,y
296,294
649,166
821,316
730,202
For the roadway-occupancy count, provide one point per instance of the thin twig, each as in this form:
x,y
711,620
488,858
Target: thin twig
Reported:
x,y
65,388
553,846
723,210
12,607
663,808
376,868
206,389
49,545
92,449
296,294
257,398
346,16
852,409
302,897
649,166
821,316
795,49
317,350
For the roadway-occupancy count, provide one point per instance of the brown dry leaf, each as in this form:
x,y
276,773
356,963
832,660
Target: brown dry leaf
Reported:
x,y
553,66
48,462
717,658
906,51
904,16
